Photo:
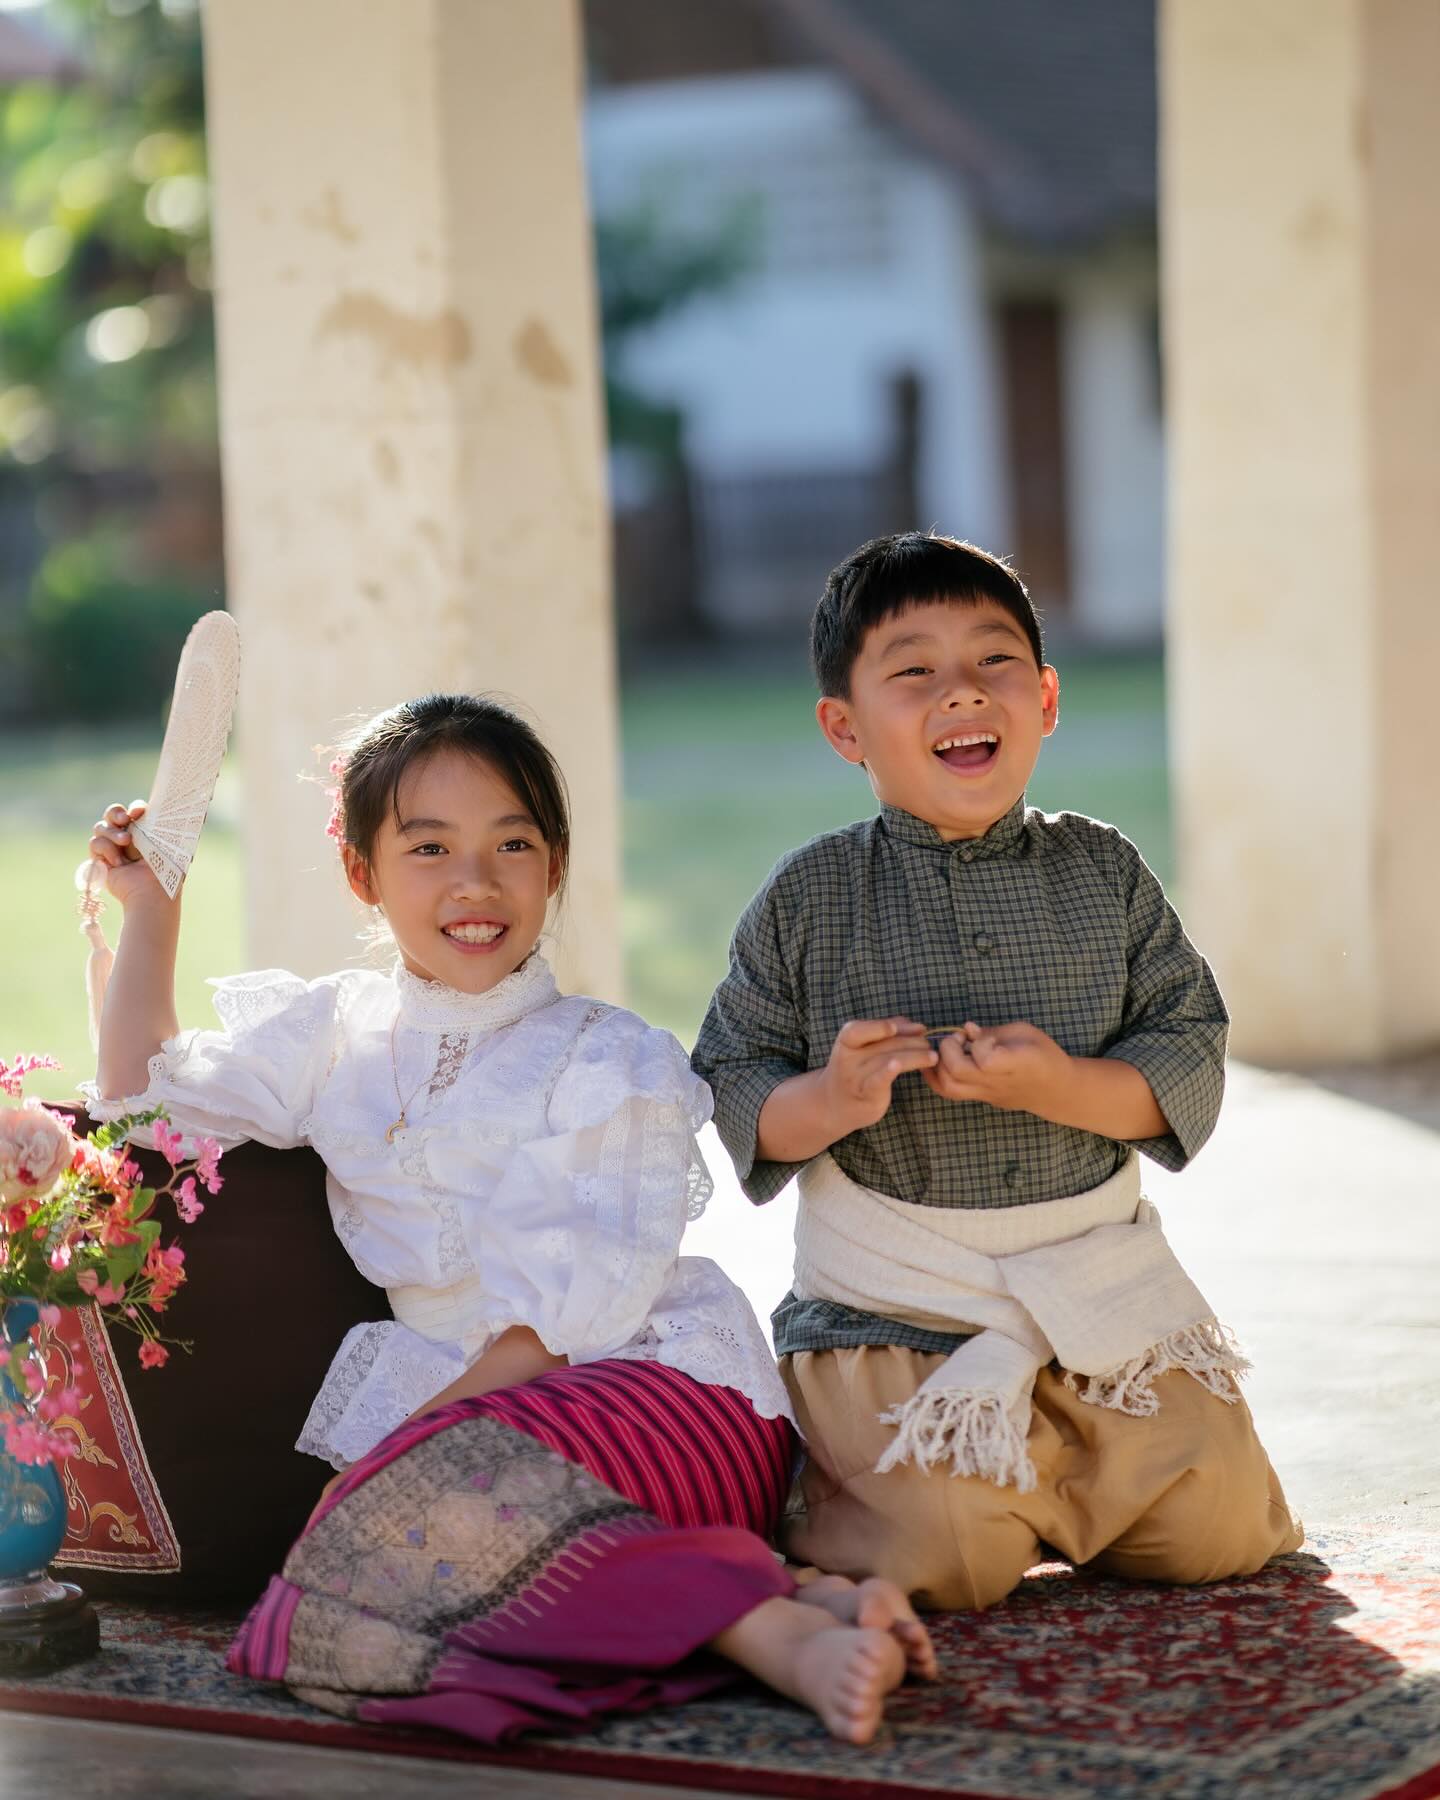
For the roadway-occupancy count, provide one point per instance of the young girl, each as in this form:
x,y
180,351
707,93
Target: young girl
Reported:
x,y
562,1456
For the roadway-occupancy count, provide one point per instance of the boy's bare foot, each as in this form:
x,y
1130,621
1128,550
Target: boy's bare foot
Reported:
x,y
877,1605
841,1672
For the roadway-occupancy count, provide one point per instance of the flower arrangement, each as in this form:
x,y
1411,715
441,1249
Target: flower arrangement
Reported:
x,y
77,1226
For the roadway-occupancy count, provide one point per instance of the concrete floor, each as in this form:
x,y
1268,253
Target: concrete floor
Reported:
x,y
1312,1224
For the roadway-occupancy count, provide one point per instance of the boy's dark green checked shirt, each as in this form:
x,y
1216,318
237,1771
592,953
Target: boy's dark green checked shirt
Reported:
x,y
1050,918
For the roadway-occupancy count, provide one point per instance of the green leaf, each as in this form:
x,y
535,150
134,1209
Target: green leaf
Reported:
x,y
122,1264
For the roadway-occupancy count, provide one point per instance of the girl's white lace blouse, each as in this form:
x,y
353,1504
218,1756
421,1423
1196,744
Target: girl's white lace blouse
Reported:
x,y
544,1177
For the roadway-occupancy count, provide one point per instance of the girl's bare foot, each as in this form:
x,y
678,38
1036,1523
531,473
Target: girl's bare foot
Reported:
x,y
841,1672
878,1605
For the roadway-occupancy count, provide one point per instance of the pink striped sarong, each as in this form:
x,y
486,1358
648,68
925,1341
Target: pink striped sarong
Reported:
x,y
533,1558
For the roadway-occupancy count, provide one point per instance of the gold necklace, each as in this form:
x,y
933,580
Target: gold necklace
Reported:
x,y
405,1105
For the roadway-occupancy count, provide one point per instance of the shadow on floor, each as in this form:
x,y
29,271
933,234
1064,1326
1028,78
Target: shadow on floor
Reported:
x,y
1408,1087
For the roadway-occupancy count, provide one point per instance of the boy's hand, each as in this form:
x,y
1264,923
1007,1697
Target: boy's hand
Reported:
x,y
1017,1068
128,877
865,1060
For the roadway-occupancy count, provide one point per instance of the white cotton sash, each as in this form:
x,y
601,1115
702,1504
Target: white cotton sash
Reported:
x,y
1088,1281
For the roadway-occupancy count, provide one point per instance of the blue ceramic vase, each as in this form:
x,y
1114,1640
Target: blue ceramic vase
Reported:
x,y
44,1624
32,1500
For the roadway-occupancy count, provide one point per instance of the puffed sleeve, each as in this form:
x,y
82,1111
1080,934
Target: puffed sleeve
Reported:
x,y
751,1039
1175,1024
583,1229
256,1077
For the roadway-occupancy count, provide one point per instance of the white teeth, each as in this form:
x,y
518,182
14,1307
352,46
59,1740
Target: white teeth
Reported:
x,y
970,737
474,934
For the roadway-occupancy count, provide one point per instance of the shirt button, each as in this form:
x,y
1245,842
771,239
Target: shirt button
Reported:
x,y
1012,1174
984,943
967,856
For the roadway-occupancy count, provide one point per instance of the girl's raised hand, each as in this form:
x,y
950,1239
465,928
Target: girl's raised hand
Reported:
x,y
128,877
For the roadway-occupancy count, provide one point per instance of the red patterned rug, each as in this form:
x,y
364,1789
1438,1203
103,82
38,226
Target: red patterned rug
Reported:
x,y
1318,1679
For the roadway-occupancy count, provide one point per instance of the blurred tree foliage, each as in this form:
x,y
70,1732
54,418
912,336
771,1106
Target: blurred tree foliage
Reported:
x,y
109,504
109,487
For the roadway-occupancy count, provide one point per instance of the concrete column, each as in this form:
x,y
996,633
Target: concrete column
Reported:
x,y
1301,265
410,414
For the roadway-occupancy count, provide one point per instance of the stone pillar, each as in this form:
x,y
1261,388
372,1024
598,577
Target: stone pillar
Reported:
x,y
1301,267
410,413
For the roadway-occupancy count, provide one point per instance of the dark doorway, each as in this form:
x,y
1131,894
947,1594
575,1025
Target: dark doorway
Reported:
x,y
1030,354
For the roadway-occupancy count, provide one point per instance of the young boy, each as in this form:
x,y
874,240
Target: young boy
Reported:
x,y
960,1020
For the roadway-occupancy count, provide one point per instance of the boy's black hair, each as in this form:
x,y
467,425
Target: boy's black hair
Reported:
x,y
890,574
379,756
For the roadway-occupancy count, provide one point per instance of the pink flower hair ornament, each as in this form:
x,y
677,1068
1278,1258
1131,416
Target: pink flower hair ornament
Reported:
x,y
335,828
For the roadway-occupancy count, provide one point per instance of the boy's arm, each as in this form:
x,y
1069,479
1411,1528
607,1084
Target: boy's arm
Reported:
x,y
774,1113
1158,1085
751,1043
1018,1068
808,1113
1175,1026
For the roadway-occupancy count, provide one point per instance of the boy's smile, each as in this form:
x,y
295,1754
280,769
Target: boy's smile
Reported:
x,y
947,710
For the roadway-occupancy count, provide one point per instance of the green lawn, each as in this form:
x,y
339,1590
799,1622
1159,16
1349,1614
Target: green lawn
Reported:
x,y
724,771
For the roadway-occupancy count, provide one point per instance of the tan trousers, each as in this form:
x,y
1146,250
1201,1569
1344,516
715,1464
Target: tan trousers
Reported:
x,y
1184,1495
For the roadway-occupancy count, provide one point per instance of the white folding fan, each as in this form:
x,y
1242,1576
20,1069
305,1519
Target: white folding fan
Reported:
x,y
206,685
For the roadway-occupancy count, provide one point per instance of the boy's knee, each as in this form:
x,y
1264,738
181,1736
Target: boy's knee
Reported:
x,y
1207,1527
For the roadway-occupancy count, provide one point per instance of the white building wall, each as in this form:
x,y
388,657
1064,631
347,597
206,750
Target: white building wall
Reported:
x,y
870,266
1115,454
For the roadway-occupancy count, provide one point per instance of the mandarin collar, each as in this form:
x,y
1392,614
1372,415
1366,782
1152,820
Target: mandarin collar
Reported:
x,y
432,1006
1004,837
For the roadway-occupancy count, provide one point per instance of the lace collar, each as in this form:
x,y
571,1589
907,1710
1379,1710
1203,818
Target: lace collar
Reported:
x,y
432,1006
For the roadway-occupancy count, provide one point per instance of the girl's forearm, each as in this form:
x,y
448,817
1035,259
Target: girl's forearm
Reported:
x,y
139,1011
516,1356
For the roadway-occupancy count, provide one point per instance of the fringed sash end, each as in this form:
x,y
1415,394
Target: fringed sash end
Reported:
x,y
1207,1351
973,1432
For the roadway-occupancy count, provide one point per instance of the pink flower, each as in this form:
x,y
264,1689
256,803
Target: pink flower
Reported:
x,y
165,1271
170,1144
12,1075
35,1149
187,1204
103,1293
207,1158
60,1259
153,1355
28,1441
64,1400
50,1317
115,1231
105,1169
335,827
